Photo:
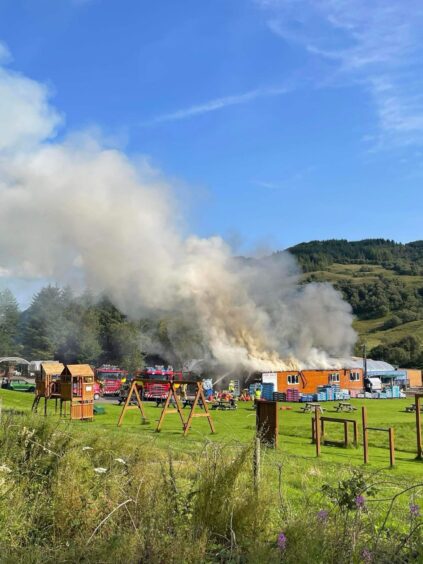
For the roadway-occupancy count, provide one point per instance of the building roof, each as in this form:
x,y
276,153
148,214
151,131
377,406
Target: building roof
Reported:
x,y
52,368
79,370
372,365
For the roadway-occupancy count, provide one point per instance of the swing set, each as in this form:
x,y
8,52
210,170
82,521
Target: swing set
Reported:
x,y
172,395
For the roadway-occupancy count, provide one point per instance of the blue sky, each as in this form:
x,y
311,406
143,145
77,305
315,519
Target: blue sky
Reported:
x,y
280,121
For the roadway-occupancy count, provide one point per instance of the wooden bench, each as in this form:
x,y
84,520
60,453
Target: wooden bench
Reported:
x,y
345,406
224,404
412,408
311,406
190,401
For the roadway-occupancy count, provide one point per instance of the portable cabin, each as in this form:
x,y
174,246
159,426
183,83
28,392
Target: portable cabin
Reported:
x,y
307,381
77,388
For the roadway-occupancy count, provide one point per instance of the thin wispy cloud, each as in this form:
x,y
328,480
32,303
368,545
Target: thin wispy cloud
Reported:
x,y
268,185
378,44
218,104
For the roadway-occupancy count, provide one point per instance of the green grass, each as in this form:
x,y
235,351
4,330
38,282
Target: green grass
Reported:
x,y
239,427
192,499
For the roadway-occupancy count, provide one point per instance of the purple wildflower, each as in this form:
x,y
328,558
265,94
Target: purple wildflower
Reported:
x,y
414,510
366,555
282,541
322,516
360,502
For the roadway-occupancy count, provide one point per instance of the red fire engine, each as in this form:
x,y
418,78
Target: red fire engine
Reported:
x,y
157,391
110,379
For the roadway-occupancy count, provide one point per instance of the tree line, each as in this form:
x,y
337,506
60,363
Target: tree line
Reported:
x,y
80,329
401,258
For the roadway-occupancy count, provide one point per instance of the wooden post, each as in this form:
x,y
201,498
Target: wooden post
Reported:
x,y
345,434
256,463
313,430
418,398
317,432
355,425
322,428
391,446
365,434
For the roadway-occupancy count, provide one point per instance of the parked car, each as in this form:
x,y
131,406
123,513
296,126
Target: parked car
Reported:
x,y
18,384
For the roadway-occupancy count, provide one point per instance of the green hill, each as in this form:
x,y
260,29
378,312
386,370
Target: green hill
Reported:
x,y
383,282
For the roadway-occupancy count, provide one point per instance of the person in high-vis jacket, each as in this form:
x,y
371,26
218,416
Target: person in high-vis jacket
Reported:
x,y
257,395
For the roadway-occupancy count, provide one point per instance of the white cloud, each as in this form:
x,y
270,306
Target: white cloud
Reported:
x,y
25,114
219,103
378,44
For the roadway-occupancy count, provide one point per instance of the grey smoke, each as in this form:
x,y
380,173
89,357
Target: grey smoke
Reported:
x,y
88,216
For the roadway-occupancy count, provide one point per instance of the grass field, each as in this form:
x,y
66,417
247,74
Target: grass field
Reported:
x,y
61,481
238,426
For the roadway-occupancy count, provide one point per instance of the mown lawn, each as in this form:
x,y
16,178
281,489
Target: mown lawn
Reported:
x,y
238,427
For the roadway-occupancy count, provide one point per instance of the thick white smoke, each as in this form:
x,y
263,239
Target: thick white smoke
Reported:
x,y
83,214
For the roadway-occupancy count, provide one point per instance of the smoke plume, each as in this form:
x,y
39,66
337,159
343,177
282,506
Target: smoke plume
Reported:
x,y
86,215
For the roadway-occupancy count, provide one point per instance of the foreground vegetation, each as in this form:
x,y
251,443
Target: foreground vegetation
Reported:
x,y
90,492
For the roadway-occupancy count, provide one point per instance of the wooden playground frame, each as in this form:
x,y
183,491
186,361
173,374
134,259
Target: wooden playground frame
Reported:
x,y
366,429
47,385
172,394
320,433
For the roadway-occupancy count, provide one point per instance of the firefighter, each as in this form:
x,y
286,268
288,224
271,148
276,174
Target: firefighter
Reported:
x,y
257,395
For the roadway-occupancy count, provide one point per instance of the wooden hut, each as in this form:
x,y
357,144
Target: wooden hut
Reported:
x,y
47,383
77,388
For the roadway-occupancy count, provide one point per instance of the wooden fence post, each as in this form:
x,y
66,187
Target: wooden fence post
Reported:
x,y
346,434
391,446
317,431
365,434
355,424
419,426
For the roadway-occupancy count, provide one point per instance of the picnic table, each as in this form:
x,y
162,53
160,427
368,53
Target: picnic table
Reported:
x,y
412,408
224,404
311,406
190,401
345,406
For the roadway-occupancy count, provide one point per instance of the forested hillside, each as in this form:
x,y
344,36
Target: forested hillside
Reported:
x,y
402,259
383,282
